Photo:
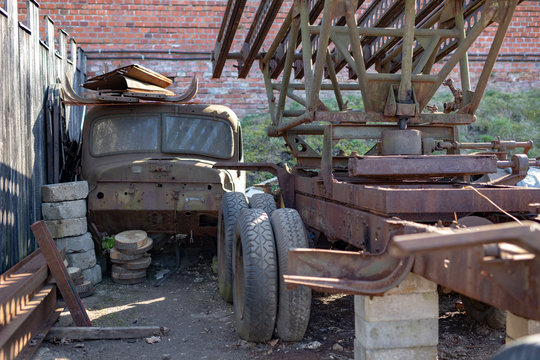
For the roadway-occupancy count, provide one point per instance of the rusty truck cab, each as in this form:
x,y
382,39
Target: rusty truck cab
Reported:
x,y
149,167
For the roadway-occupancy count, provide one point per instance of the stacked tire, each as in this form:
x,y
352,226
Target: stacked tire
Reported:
x,y
259,237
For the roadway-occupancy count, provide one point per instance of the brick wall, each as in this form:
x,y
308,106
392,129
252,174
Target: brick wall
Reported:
x,y
169,36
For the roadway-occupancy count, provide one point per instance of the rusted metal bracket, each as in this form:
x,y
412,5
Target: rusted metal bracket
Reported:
x,y
525,234
464,261
345,272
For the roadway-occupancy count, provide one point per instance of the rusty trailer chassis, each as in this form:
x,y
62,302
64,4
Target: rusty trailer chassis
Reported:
x,y
399,207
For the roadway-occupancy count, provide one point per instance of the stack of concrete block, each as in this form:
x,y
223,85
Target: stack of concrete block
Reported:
x,y
402,324
64,212
517,327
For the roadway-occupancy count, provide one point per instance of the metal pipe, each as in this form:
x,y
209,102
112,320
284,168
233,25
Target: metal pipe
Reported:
x,y
274,131
334,80
358,54
391,32
464,62
320,59
287,70
306,48
405,85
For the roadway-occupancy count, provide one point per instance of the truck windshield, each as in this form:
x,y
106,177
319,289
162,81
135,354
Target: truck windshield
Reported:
x,y
195,135
182,134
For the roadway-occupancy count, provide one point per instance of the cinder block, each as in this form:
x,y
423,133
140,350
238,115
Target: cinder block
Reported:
x,y
397,334
67,227
75,244
413,284
93,274
64,210
411,353
64,191
517,327
412,306
84,260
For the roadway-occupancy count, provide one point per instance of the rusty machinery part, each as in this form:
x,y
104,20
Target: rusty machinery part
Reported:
x,y
294,304
479,311
399,35
366,200
231,204
265,202
255,274
346,271
459,259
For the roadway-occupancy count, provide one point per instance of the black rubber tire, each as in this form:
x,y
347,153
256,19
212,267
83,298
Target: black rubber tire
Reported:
x,y
255,271
527,348
231,204
484,313
294,306
263,201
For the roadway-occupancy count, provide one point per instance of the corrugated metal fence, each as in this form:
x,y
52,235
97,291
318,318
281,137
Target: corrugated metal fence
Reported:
x,y
27,67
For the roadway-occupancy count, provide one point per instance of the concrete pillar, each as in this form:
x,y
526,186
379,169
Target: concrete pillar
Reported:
x,y
402,324
517,327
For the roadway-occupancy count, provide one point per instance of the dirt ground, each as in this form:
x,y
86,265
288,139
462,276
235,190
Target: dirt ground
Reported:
x,y
201,326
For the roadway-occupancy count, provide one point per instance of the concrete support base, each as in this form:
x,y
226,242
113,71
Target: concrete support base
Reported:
x,y
402,324
517,327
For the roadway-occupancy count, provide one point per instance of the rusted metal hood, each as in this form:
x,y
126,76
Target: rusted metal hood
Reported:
x,y
166,170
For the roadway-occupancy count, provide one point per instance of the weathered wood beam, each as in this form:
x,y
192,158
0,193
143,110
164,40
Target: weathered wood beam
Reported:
x,y
103,333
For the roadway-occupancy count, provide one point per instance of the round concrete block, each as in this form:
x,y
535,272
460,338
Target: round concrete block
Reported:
x,y
83,260
64,210
93,274
67,227
64,191
75,244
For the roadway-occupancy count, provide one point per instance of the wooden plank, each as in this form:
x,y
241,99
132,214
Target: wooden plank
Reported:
x,y
16,335
28,352
16,290
59,272
103,333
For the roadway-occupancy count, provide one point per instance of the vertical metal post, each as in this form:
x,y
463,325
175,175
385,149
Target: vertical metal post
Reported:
x,y
306,49
326,159
324,36
289,59
270,94
405,86
464,62
356,46
333,79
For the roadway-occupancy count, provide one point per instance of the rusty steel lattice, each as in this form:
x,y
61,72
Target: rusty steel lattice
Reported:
x,y
387,51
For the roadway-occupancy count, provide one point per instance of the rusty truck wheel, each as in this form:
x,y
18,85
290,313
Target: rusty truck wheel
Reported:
x,y
263,201
255,276
294,306
231,204
525,348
